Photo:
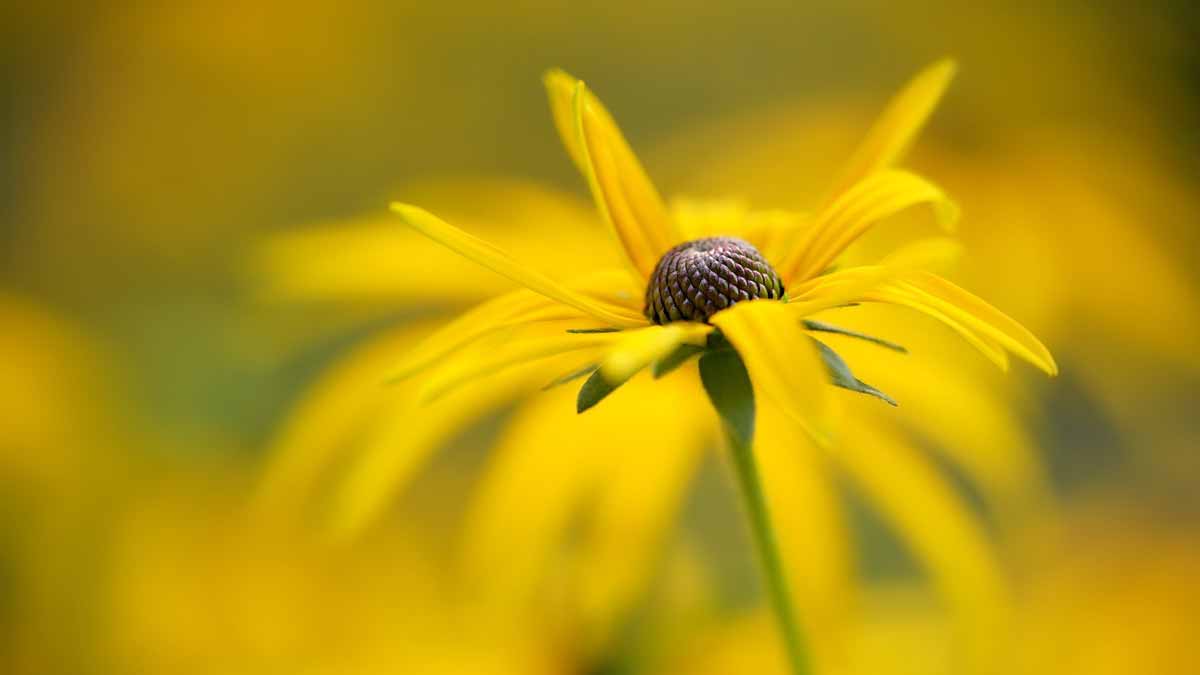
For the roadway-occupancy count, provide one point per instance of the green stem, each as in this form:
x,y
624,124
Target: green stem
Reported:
x,y
768,551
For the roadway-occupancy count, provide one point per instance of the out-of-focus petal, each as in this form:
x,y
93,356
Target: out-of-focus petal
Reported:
x,y
897,126
549,461
492,258
639,498
941,530
370,262
333,411
953,405
807,513
404,438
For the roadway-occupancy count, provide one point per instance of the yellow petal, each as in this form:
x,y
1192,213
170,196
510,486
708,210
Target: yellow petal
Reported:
x,y
404,439
527,496
560,88
941,531
369,261
492,258
872,199
639,498
782,361
623,192
907,297
899,124
637,349
333,411
969,310
549,460
494,315
468,368
849,285
987,439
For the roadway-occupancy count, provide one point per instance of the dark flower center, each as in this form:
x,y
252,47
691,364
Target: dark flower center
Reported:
x,y
697,279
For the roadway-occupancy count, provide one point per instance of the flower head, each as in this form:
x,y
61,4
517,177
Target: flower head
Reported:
x,y
688,289
699,278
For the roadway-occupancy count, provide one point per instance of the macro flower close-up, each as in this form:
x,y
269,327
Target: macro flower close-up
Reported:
x,y
731,290
792,339
690,269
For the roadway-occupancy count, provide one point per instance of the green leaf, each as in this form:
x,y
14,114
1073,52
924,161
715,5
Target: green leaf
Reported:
x,y
728,386
594,390
841,376
675,359
570,377
838,330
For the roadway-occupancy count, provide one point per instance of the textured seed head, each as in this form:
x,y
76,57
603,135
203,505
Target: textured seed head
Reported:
x,y
695,280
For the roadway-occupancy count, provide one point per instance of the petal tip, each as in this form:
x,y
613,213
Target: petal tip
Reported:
x,y
557,78
945,67
405,211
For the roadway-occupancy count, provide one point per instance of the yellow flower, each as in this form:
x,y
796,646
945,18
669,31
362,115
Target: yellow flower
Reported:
x,y
767,334
549,460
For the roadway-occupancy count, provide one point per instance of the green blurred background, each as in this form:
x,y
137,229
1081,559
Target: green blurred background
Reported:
x,y
148,149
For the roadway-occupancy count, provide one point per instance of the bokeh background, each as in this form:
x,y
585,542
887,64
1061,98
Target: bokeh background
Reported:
x,y
163,322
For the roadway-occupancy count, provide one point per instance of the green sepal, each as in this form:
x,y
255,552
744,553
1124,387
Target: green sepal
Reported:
x,y
589,331
594,390
675,359
823,327
728,387
570,377
841,376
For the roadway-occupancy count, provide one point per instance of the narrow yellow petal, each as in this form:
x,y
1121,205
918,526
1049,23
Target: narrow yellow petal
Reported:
x,y
638,500
623,192
404,439
637,349
470,326
560,88
528,494
782,361
369,261
940,529
907,297
332,411
492,258
549,461
973,312
900,122
869,201
840,287
471,367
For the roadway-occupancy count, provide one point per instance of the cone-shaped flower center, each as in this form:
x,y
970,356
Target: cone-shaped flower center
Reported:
x,y
699,278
